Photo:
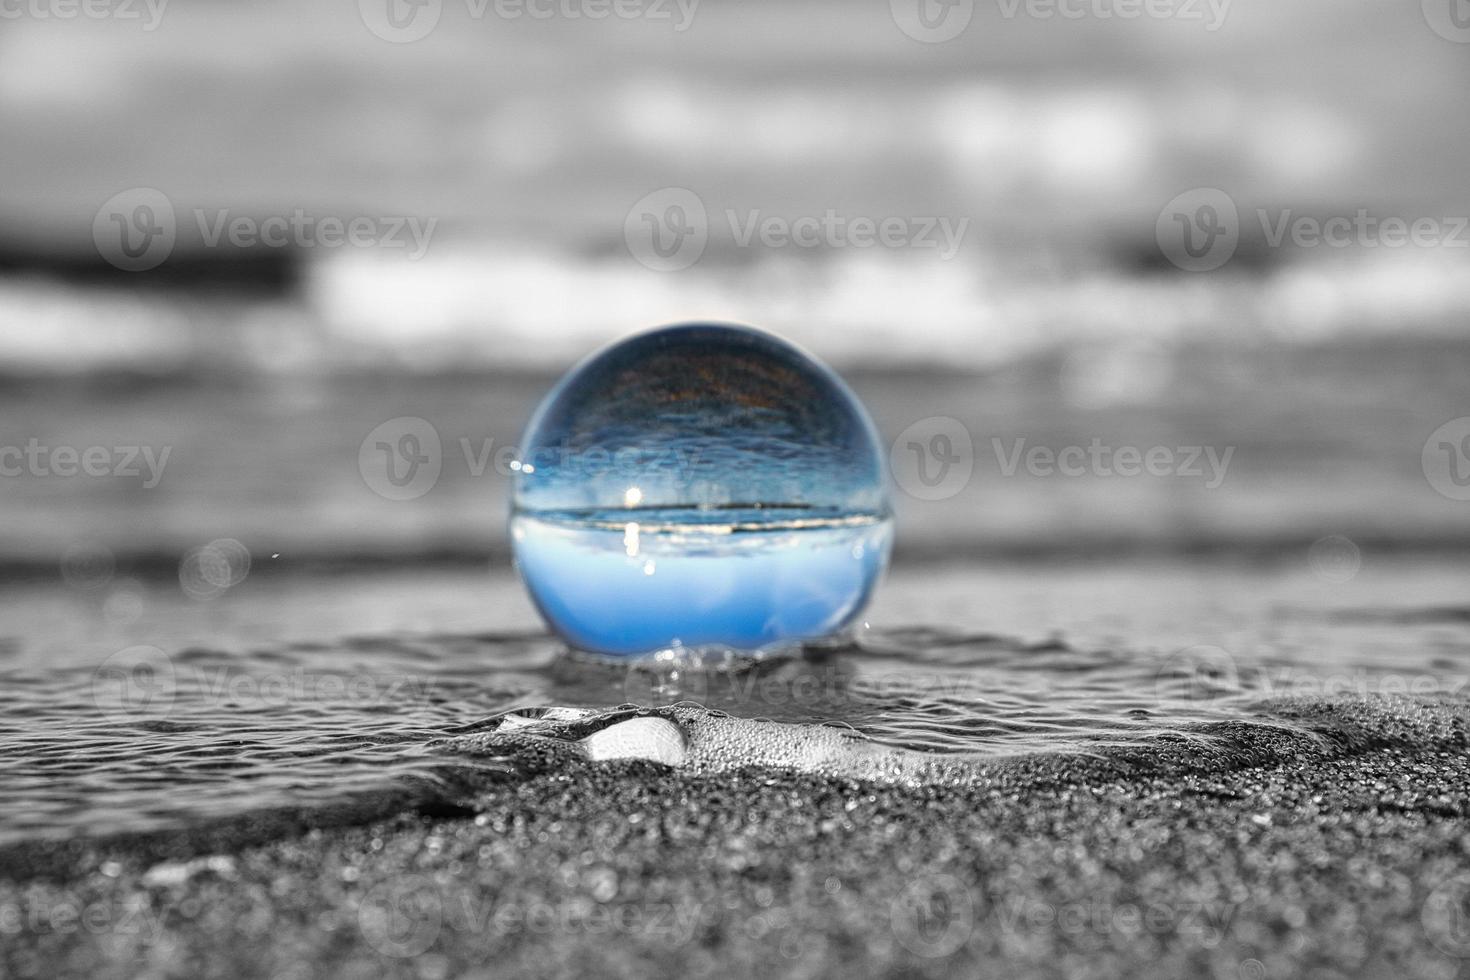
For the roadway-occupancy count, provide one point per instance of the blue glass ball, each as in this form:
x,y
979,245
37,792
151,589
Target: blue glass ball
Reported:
x,y
700,487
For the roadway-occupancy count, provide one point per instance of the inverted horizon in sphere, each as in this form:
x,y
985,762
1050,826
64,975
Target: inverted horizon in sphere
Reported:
x,y
701,485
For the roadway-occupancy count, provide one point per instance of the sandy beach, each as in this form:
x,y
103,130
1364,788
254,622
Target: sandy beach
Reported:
x,y
1099,727
1319,839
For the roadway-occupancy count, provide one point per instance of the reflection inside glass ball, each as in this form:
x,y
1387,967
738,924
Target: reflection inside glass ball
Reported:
x,y
700,487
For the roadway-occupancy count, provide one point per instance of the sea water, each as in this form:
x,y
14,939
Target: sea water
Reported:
x,y
303,693
700,487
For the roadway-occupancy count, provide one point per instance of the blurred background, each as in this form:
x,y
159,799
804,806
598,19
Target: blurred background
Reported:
x,y
251,235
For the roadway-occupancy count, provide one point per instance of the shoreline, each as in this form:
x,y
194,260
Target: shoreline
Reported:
x,y
1264,851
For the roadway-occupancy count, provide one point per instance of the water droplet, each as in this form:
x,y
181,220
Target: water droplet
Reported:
x,y
740,469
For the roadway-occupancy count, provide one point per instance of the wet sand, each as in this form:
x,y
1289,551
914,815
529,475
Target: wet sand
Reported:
x,y
1322,838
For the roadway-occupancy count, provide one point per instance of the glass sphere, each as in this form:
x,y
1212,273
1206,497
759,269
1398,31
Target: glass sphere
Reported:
x,y
701,486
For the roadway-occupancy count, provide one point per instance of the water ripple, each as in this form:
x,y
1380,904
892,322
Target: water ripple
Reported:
x,y
150,741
